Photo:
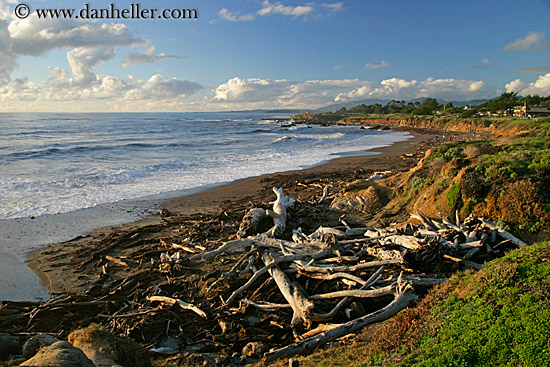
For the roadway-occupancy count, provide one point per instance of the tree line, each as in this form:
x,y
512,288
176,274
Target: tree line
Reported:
x,y
430,106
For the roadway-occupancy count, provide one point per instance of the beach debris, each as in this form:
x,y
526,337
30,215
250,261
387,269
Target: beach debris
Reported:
x,y
254,216
174,301
291,284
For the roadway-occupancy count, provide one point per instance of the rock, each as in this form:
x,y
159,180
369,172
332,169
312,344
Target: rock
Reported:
x,y
31,346
59,354
108,350
9,345
254,349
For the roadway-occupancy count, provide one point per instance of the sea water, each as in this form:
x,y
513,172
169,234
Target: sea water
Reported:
x,y
55,165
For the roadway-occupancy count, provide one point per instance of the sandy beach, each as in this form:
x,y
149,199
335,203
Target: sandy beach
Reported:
x,y
50,263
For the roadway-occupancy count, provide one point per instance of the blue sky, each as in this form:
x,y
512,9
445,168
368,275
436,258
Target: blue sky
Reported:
x,y
247,54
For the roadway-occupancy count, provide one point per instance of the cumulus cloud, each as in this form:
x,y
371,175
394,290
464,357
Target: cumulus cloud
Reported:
x,y
83,59
90,45
541,86
383,64
235,17
278,8
147,56
35,37
484,64
160,87
297,11
534,41
264,93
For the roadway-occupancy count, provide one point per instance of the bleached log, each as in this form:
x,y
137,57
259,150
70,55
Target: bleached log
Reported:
x,y
268,267
225,247
408,242
251,220
179,302
502,233
403,297
334,276
268,306
322,198
373,279
116,260
321,231
358,293
301,306
427,233
448,223
319,329
384,254
344,268
350,232
470,245
416,281
278,214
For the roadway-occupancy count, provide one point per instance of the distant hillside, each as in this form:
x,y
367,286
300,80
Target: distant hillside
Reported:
x,y
383,102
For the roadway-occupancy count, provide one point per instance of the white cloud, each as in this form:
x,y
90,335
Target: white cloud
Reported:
x,y
160,87
336,7
241,93
383,64
278,8
484,64
7,57
541,86
534,41
235,17
33,36
338,67
146,57
305,11
83,59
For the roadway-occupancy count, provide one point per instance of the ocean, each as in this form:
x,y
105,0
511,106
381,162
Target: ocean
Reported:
x,y
60,165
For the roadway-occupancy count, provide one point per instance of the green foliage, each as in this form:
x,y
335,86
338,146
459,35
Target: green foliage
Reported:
x,y
448,152
415,186
501,318
442,185
453,195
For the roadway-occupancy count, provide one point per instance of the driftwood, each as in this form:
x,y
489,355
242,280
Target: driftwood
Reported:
x,y
179,302
269,284
300,304
403,297
278,214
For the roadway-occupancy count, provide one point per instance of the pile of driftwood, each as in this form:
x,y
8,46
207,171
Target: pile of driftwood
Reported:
x,y
257,296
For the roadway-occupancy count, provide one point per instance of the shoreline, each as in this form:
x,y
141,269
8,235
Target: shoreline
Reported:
x,y
59,279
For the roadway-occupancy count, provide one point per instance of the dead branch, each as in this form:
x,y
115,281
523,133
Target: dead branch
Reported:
x,y
179,302
403,297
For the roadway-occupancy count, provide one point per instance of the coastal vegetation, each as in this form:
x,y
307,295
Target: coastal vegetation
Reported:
x,y
499,106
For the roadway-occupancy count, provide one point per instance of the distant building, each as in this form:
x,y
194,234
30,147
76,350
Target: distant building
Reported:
x,y
531,111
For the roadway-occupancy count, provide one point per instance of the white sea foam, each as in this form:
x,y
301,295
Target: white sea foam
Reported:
x,y
117,157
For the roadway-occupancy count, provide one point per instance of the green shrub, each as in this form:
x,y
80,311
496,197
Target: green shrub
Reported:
x,y
453,196
415,185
